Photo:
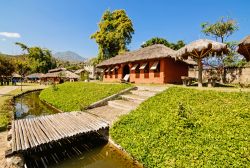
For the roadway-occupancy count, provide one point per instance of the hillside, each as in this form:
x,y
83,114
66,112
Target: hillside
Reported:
x,y
69,56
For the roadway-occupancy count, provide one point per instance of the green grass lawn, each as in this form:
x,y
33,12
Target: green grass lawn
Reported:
x,y
77,95
5,108
188,128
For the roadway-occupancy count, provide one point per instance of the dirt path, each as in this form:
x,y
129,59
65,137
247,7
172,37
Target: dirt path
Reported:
x,y
3,147
7,89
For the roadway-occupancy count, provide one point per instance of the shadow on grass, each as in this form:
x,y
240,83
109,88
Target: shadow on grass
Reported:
x,y
216,85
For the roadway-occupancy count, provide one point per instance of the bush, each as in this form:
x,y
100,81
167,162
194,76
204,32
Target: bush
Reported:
x,y
73,96
188,128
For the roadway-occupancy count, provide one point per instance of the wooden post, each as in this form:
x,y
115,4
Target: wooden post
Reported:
x,y
200,72
209,84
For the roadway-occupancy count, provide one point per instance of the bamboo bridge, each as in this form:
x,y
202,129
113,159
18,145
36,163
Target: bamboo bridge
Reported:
x,y
31,133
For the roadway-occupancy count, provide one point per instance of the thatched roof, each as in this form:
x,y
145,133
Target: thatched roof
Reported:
x,y
79,71
202,48
61,74
245,41
190,61
152,52
244,47
57,70
16,75
71,75
35,75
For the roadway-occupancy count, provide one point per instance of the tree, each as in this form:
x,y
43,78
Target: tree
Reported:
x,y
157,40
233,59
40,60
114,34
6,67
22,67
220,29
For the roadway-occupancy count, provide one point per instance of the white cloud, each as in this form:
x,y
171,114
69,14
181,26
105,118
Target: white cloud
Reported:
x,y
3,39
10,34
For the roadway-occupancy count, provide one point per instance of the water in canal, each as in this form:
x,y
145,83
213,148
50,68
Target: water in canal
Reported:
x,y
29,105
103,155
106,156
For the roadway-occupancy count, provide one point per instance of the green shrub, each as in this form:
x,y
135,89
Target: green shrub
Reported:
x,y
188,128
73,96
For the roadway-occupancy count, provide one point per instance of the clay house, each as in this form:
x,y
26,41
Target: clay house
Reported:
x,y
153,64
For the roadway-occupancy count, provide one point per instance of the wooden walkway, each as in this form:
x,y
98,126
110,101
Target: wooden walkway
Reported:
x,y
31,133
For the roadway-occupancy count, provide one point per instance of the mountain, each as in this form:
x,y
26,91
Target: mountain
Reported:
x,y
69,56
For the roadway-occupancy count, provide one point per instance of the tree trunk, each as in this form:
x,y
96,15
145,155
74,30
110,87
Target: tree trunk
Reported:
x,y
200,72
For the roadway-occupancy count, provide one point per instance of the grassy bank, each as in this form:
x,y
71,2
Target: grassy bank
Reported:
x,y
5,112
188,128
6,109
77,95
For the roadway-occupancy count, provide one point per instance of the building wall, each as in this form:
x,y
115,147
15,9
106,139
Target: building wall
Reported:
x,y
111,77
151,75
238,75
233,75
174,70
170,72
92,71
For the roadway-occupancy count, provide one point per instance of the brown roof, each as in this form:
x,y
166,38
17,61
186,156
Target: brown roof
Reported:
x,y
244,47
190,61
62,74
35,75
16,75
245,41
57,69
79,71
152,52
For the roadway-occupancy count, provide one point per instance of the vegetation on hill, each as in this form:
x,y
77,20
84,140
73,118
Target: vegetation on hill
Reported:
x,y
157,40
24,64
69,56
78,95
6,66
188,128
40,59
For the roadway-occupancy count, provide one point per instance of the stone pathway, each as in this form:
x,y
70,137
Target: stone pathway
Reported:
x,y
126,103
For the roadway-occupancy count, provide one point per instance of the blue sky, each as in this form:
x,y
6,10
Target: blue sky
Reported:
x,y
62,25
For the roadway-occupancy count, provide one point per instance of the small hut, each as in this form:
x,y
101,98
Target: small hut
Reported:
x,y
15,77
59,75
35,77
200,49
244,47
152,64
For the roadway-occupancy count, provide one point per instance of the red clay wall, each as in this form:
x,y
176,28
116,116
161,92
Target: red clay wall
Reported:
x,y
170,72
107,77
151,75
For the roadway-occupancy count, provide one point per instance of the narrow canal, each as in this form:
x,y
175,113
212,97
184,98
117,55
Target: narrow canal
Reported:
x,y
29,105
100,155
